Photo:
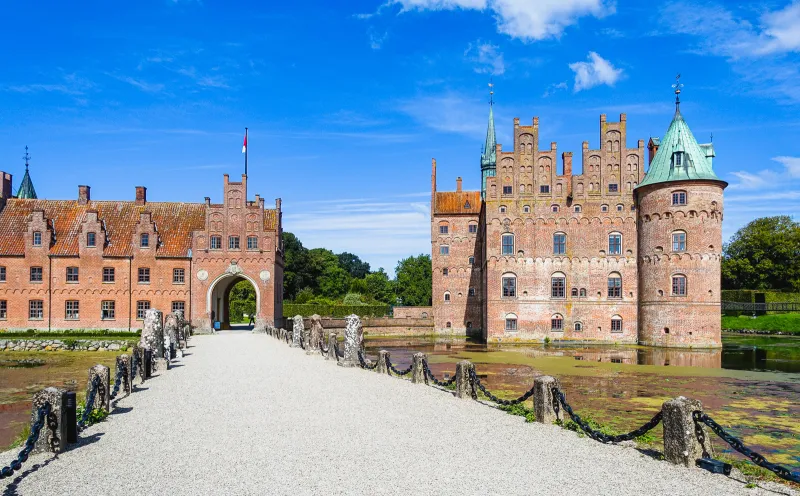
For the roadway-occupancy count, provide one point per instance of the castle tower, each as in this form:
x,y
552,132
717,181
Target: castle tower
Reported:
x,y
489,154
26,189
680,242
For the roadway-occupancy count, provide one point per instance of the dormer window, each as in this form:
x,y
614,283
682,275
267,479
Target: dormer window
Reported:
x,y
37,238
144,240
467,205
91,239
677,159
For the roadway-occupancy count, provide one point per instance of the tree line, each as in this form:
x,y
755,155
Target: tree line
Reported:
x,y
318,275
764,254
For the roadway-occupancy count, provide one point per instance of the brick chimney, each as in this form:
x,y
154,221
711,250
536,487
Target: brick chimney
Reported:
x,y
5,190
141,195
566,157
84,194
458,184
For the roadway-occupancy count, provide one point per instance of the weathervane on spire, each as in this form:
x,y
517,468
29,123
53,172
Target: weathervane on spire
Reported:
x,y
26,157
491,91
677,86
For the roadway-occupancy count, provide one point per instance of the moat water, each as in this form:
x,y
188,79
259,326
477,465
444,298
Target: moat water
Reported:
x,y
751,386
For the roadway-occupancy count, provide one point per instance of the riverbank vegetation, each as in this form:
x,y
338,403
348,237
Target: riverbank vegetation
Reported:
x,y
788,323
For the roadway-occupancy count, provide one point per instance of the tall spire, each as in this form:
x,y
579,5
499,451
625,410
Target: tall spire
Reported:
x,y
489,155
26,189
677,86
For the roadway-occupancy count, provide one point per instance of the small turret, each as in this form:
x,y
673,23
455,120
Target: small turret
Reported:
x,y
26,189
489,153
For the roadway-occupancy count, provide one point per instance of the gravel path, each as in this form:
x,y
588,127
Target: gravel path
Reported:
x,y
245,414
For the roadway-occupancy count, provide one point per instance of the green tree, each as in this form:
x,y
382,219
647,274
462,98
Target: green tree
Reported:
x,y
379,287
334,281
358,286
242,301
304,296
414,280
352,299
764,254
295,271
356,267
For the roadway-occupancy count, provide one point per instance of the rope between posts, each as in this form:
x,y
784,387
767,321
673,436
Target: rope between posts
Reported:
x,y
44,412
735,443
494,398
560,399
364,364
395,370
433,378
89,405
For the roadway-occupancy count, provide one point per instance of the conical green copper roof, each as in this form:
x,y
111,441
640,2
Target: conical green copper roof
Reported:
x,y
489,155
26,189
695,160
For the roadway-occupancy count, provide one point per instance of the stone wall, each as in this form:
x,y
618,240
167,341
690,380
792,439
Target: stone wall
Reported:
x,y
413,312
60,345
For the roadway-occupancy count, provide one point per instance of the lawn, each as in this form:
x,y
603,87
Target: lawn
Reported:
x,y
783,322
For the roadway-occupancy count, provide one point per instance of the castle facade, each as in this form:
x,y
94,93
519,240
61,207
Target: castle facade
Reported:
x,y
86,264
627,251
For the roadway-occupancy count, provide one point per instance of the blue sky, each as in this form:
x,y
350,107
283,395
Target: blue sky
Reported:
x,y
347,102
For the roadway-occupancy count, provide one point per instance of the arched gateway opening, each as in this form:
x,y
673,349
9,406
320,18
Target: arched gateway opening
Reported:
x,y
219,298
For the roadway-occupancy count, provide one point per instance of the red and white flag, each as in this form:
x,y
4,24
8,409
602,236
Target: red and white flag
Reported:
x,y
244,144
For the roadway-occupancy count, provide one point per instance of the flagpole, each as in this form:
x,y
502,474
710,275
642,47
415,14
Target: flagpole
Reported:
x,y
245,152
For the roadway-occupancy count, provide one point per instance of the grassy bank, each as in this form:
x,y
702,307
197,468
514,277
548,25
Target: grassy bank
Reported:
x,y
788,323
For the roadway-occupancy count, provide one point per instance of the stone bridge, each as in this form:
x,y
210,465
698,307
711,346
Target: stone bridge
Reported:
x,y
244,413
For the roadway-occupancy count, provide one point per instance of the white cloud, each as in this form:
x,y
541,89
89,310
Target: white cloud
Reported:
x,y
486,58
528,20
141,84
376,40
554,88
449,113
595,72
762,50
792,165
768,178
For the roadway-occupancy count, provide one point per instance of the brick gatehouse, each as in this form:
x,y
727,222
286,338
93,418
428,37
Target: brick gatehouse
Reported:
x,y
610,254
85,264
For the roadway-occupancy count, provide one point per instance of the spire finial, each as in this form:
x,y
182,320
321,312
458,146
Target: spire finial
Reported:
x,y
677,87
491,91
27,157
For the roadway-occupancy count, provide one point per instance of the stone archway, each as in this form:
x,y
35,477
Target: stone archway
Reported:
x,y
217,298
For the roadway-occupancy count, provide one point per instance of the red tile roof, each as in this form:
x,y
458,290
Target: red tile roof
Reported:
x,y
458,202
174,222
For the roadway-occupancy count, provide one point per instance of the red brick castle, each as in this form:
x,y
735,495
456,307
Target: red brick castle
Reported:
x,y
613,254
86,264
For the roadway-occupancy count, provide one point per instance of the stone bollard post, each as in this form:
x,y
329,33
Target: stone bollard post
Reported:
x,y
315,335
352,344
138,351
681,446
124,363
103,397
465,387
543,407
51,440
418,375
332,339
382,367
153,333
297,331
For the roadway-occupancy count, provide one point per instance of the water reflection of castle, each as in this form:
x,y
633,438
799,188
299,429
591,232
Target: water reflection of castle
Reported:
x,y
632,356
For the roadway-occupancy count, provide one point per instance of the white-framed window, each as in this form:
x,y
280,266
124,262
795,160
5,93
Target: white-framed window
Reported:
x,y
582,293
544,189
507,241
554,208
615,285
677,159
2,273
91,239
35,309
616,323
252,242
614,243
37,238
3,309
604,208
233,242
574,292
679,197
473,228
679,241
144,240
613,188
108,274
679,285
471,260
71,310
526,209
578,327
36,274
72,274
508,190
216,242
557,323
559,243
178,276
141,309
444,250
558,285
509,283
502,209
143,275
444,229
577,209
511,322
447,296
108,310
620,207
179,306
